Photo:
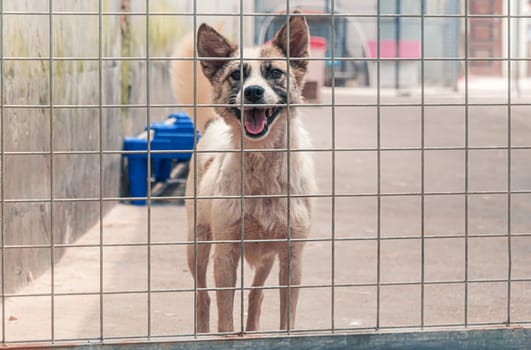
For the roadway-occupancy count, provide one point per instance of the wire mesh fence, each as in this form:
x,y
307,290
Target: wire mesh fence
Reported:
x,y
421,216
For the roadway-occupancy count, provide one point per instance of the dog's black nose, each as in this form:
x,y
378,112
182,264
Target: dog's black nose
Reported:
x,y
254,93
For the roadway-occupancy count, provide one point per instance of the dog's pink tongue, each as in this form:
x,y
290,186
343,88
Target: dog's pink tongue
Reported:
x,y
255,121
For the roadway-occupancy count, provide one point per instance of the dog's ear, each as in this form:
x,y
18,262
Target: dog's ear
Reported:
x,y
298,39
211,44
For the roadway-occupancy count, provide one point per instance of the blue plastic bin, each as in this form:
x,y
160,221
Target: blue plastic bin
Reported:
x,y
176,134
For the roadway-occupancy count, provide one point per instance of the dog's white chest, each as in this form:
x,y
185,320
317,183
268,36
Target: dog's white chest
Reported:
x,y
265,193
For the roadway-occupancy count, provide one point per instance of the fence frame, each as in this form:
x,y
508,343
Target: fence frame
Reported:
x,y
466,336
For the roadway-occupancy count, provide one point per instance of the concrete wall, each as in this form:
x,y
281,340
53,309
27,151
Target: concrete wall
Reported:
x,y
28,176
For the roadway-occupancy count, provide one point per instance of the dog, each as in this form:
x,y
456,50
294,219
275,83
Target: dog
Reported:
x,y
265,173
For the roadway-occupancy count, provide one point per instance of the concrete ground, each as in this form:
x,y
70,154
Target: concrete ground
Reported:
x,y
125,268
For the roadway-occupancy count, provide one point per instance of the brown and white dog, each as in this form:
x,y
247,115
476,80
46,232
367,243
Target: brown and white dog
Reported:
x,y
265,173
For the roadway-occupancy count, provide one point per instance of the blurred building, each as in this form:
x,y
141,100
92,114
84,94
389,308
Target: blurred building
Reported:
x,y
496,37
489,38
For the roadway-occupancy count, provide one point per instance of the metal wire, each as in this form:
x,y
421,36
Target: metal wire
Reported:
x,y
2,171
272,287
509,161
261,14
279,240
334,240
274,150
339,59
242,174
333,217
467,160
194,4
51,109
378,163
288,155
100,100
422,163
354,195
360,105
148,179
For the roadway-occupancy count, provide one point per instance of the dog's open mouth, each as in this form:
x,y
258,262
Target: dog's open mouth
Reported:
x,y
256,121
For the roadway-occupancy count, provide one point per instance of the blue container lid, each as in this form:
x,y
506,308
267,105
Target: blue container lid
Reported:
x,y
135,144
179,116
178,135
182,123
161,127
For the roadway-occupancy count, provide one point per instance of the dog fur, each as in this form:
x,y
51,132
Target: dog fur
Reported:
x,y
264,174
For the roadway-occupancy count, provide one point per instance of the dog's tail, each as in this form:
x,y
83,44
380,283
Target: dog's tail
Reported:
x,y
184,86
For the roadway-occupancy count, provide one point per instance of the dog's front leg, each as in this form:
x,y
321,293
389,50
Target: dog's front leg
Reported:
x,y
200,275
293,275
257,295
226,259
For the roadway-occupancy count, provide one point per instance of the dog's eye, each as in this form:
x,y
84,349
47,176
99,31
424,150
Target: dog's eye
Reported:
x,y
275,73
236,75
